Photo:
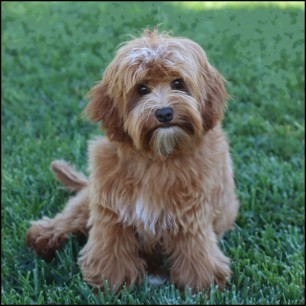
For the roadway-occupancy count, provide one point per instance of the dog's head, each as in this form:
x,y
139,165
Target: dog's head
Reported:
x,y
159,94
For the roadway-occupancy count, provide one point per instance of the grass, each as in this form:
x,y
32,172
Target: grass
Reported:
x,y
52,53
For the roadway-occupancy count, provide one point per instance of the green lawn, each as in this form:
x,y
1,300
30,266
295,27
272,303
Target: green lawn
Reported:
x,y
52,53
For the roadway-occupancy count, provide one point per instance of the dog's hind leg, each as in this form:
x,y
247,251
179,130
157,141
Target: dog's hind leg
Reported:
x,y
47,235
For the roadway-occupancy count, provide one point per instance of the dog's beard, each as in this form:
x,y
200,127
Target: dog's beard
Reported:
x,y
164,140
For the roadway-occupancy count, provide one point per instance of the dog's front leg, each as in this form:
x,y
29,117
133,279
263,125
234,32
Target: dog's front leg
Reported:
x,y
111,252
196,260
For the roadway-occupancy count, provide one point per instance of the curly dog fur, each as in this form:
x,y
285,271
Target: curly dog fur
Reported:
x,y
161,181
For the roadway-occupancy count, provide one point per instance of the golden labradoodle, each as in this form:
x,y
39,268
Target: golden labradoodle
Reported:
x,y
161,181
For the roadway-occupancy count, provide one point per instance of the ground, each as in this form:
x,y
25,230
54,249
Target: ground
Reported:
x,y
53,53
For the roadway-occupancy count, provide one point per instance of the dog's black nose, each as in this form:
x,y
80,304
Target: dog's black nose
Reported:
x,y
164,114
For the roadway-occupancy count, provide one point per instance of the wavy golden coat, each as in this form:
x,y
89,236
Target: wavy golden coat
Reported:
x,y
161,180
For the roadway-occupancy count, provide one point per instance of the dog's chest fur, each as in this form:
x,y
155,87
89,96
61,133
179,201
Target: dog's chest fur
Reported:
x,y
153,196
152,219
153,203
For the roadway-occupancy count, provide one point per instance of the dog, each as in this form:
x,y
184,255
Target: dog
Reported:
x,y
160,180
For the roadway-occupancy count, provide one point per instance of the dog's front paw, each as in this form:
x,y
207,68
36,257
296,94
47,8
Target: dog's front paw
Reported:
x,y
99,266
222,271
43,238
200,273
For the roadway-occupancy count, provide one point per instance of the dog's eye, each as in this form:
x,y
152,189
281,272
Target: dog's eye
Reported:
x,y
178,84
143,90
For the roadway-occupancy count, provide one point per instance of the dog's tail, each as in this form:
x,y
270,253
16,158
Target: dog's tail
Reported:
x,y
71,179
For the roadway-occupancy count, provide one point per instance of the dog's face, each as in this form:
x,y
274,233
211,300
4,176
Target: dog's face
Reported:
x,y
159,94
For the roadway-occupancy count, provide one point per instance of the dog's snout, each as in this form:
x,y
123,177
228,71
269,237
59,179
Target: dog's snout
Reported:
x,y
164,114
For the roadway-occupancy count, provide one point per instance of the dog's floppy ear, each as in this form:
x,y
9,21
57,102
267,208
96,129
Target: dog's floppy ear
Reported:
x,y
213,97
102,107
211,89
